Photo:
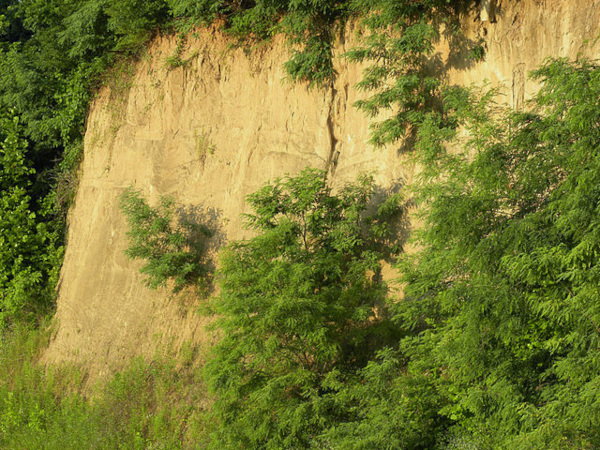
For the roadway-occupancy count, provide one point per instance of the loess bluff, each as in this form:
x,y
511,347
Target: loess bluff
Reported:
x,y
213,130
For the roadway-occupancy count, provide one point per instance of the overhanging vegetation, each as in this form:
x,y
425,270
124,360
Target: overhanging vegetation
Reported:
x,y
494,344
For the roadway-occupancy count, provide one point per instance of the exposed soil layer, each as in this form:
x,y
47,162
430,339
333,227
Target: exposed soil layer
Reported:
x,y
216,128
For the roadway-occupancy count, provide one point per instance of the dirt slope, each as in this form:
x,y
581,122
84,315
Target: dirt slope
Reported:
x,y
212,131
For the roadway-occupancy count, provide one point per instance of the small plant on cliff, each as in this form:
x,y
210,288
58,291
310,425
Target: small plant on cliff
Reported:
x,y
175,60
173,249
302,308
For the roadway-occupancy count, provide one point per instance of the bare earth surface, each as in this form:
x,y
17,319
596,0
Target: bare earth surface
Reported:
x,y
214,130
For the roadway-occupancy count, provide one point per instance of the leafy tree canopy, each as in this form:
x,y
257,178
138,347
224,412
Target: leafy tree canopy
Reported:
x,y
174,248
302,308
28,246
503,299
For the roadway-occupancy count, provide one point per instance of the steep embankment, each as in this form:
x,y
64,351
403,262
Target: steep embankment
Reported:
x,y
215,129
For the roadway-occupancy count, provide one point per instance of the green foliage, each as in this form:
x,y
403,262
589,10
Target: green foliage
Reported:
x,y
173,249
28,250
153,404
53,68
314,63
504,293
311,29
405,76
199,10
86,31
133,21
11,27
308,25
302,308
388,407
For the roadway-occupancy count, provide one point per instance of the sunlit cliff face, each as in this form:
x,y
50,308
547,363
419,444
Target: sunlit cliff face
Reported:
x,y
212,131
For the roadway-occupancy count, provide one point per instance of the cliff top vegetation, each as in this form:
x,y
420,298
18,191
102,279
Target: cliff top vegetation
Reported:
x,y
495,342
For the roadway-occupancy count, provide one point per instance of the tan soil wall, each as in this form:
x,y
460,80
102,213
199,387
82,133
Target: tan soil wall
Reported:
x,y
213,131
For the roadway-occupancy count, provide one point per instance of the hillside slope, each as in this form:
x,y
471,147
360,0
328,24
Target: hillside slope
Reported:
x,y
215,129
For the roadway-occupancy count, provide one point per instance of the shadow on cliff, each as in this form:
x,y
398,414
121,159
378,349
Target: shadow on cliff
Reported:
x,y
464,52
389,210
206,226
204,237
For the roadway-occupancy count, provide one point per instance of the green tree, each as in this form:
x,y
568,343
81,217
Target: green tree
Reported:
x,y
172,247
29,253
134,21
503,297
405,75
302,308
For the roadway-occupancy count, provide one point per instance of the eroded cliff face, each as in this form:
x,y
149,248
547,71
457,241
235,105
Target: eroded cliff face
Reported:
x,y
214,130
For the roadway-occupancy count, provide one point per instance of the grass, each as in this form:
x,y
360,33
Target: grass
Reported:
x,y
152,404
204,146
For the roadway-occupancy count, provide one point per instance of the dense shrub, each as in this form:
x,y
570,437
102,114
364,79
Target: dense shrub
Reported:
x,y
174,248
302,308
503,298
29,253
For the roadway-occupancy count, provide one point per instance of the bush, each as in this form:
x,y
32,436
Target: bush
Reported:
x,y
503,294
173,248
28,252
302,308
